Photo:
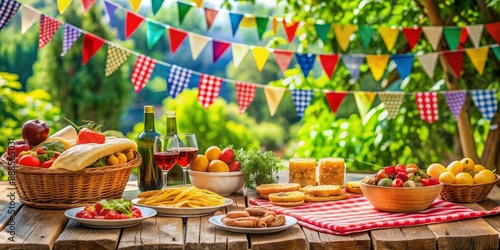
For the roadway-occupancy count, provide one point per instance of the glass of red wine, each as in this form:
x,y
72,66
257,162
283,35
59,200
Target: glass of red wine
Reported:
x,y
188,150
165,153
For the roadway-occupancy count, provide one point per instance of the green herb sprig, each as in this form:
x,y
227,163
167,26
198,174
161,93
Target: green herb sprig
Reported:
x,y
259,167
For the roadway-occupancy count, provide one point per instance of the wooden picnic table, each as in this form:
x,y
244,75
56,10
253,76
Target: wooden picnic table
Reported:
x,y
24,227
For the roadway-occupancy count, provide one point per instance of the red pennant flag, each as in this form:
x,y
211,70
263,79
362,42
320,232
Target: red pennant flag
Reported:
x,y
427,105
176,38
412,35
335,99
91,44
245,93
48,27
208,89
456,60
329,63
210,16
283,59
142,71
132,22
290,30
494,30
463,38
87,4
218,49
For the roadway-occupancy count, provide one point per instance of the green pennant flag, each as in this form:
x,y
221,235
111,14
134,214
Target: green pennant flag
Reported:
x,y
156,4
496,51
183,10
452,36
322,30
366,33
154,33
261,25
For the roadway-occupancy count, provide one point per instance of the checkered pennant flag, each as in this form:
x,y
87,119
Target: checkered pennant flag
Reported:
x,y
245,93
48,27
8,9
455,102
427,104
178,80
301,98
142,71
208,89
392,102
70,36
486,102
115,58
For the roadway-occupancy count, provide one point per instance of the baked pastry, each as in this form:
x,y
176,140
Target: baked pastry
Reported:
x,y
265,189
353,187
323,193
287,199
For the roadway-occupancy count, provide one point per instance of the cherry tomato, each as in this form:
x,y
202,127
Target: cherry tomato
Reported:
x,y
48,164
124,216
29,160
80,214
425,182
98,207
104,212
397,183
112,214
433,181
390,169
99,217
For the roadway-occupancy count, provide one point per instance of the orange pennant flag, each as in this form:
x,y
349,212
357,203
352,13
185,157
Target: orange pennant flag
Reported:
x,y
390,36
377,64
260,54
478,57
343,34
273,97
198,3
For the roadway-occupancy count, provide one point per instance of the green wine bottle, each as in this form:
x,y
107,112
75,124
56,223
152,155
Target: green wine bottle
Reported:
x,y
149,174
171,123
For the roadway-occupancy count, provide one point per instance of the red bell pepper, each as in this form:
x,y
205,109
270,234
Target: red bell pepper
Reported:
x,y
89,133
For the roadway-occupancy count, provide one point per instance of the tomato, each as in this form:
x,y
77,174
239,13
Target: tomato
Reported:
x,y
433,181
390,169
80,214
397,183
400,168
99,217
84,215
425,182
48,164
112,214
124,216
104,212
98,207
29,160
402,175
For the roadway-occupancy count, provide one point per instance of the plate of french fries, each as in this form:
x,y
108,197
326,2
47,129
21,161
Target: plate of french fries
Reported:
x,y
187,201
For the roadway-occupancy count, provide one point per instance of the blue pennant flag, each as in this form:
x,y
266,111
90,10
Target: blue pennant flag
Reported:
x,y
110,9
404,64
235,21
8,8
301,98
69,37
486,102
353,63
178,80
306,62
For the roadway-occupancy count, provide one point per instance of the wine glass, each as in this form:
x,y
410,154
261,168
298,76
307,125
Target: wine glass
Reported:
x,y
188,150
165,153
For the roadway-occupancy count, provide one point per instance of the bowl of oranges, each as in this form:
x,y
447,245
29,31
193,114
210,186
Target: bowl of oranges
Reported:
x,y
464,181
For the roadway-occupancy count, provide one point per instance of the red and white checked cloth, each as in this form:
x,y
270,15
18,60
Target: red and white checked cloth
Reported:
x,y
355,214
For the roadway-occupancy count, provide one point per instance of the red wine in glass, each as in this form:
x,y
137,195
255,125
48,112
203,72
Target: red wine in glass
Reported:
x,y
165,160
186,156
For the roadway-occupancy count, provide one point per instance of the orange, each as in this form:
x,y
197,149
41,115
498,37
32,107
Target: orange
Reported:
x,y
213,153
455,167
478,168
447,177
218,166
464,178
484,176
468,164
199,164
435,170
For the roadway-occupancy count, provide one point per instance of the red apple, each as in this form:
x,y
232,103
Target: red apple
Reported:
x,y
234,166
227,155
35,132
18,147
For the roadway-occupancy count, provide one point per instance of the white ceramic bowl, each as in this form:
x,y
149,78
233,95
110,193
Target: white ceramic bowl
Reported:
x,y
223,183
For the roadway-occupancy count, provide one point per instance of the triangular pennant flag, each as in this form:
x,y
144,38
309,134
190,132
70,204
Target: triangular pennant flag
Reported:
x,y
428,62
239,52
496,51
455,101
329,63
475,32
353,64
248,21
29,17
478,57
260,54
115,58
404,64
335,99
245,93
494,30
135,4
306,62
276,22
364,101
142,71
456,60
235,21
486,101
412,35
283,59
302,98
343,34
198,3
392,102
48,27
154,33
322,30
197,43
273,98
427,104
366,35
433,34
218,49
183,9
132,22
62,5
176,38
69,37
210,16
452,36
261,25
110,10
377,64
87,4
290,29
91,44
156,5
178,80
208,89
390,36
463,38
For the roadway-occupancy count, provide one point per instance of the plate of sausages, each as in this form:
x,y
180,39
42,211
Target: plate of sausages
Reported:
x,y
253,220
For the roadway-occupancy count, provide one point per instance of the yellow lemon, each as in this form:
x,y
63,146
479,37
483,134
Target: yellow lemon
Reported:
x,y
456,167
199,164
464,178
447,177
484,176
213,153
468,164
218,166
435,170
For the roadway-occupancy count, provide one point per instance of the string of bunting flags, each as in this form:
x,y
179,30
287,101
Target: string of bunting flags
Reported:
x,y
209,86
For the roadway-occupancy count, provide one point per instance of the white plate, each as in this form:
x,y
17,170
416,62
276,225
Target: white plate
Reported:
x,y
184,211
107,223
217,220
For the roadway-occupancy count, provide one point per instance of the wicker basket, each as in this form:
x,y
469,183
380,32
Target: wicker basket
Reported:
x,y
467,193
63,189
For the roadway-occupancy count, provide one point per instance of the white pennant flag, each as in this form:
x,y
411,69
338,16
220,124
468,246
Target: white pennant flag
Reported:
x,y
29,17
475,32
433,34
239,52
197,43
428,62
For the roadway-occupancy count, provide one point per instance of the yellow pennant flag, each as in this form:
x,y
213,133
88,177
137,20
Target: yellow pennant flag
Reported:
x,y
62,5
343,34
276,22
478,57
198,3
135,4
389,35
377,64
364,101
260,54
239,52
248,22
273,97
